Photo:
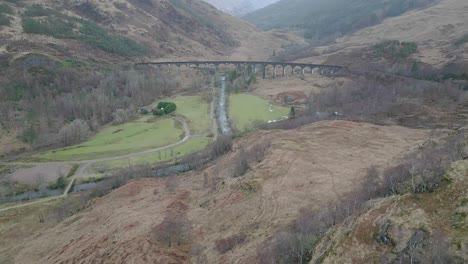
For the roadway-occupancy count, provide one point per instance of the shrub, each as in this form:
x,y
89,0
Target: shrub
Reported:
x,y
158,112
221,146
462,40
61,183
162,105
227,244
240,163
4,20
5,9
171,107
292,112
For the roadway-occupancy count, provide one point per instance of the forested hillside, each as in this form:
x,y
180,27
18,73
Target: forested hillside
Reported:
x,y
321,18
62,61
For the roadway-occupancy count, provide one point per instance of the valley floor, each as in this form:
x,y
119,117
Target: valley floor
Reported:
x,y
318,163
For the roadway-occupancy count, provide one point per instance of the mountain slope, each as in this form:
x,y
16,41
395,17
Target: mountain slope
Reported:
x,y
240,7
110,30
428,228
323,18
310,166
438,31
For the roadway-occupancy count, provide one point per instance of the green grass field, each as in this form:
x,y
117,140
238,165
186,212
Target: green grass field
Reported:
x,y
195,111
192,145
245,110
119,140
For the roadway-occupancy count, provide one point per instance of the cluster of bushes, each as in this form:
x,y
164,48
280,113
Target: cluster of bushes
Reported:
x,y
58,25
4,20
55,27
75,132
462,40
394,49
5,9
226,244
61,183
164,108
240,79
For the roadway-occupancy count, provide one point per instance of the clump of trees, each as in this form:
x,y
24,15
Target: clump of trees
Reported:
x,y
394,49
241,78
245,157
42,96
164,108
225,245
75,132
61,183
121,116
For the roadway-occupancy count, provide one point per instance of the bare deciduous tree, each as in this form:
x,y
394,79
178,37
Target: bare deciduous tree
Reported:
x,y
171,183
75,132
173,230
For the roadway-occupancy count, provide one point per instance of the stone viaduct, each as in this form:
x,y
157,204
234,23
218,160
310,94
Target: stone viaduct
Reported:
x,y
256,65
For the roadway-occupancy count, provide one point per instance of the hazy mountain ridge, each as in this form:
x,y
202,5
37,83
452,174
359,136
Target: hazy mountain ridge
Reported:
x,y
240,7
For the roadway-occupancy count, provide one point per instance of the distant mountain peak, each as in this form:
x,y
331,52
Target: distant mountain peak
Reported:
x,y
240,7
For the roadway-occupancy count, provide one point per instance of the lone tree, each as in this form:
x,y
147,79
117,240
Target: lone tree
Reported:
x,y
174,230
292,112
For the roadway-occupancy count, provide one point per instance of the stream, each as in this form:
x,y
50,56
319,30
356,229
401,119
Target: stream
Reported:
x,y
222,115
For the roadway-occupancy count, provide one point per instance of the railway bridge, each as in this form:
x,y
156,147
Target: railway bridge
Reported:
x,y
256,65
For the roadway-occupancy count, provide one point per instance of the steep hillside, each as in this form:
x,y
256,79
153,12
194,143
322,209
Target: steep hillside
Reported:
x,y
424,228
436,37
323,18
240,7
60,49
110,30
213,216
438,31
